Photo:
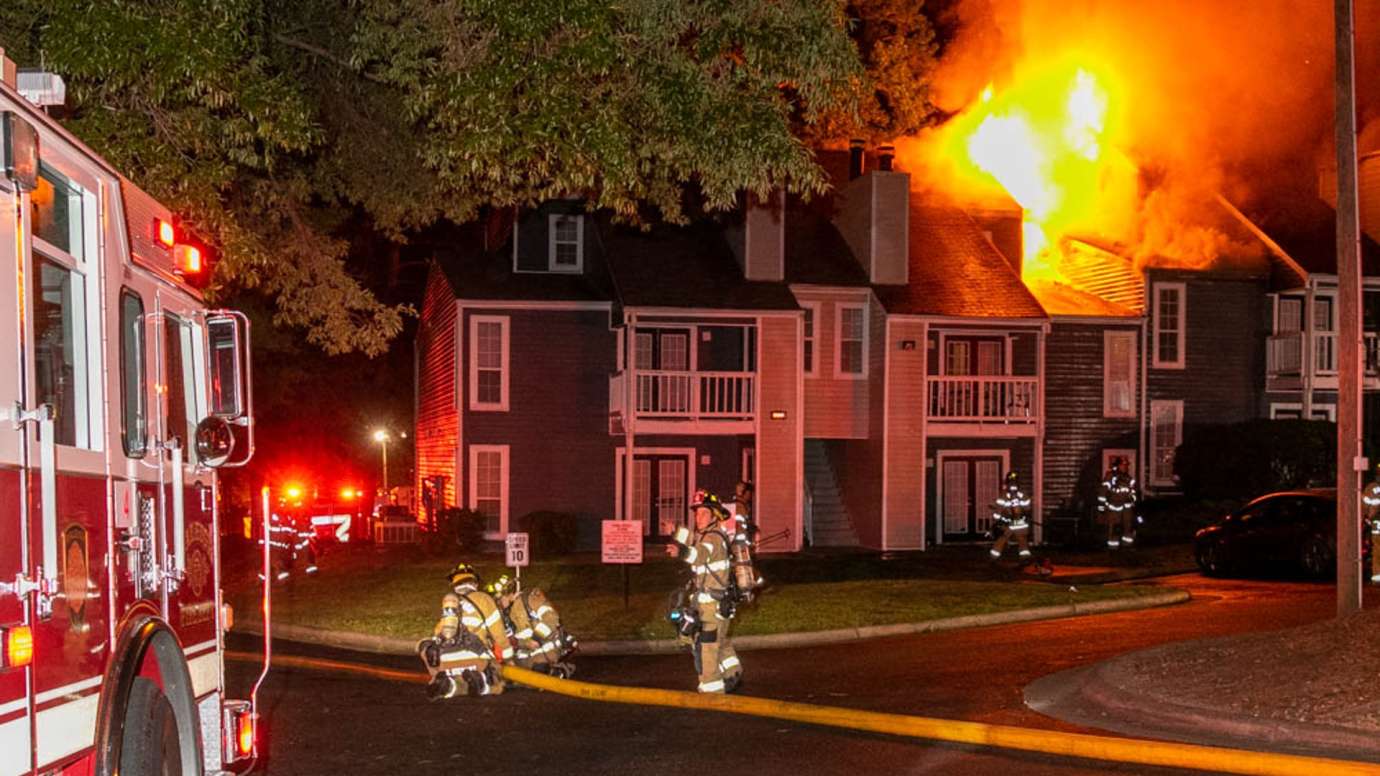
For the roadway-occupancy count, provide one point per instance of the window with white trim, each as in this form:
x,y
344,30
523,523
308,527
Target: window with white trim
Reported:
x,y
1110,453
63,221
852,341
489,486
1119,374
566,242
1166,434
489,348
1170,302
811,310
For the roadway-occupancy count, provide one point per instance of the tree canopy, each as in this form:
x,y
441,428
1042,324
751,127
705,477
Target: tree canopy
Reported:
x,y
267,126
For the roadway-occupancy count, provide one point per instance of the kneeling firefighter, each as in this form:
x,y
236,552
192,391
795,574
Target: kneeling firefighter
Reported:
x,y
539,640
711,597
469,641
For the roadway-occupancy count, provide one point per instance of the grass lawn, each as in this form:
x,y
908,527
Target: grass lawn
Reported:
x,y
398,594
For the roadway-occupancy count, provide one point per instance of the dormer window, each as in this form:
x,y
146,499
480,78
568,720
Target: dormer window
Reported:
x,y
566,244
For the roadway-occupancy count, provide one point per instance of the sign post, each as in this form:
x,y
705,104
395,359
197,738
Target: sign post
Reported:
x,y
515,547
622,544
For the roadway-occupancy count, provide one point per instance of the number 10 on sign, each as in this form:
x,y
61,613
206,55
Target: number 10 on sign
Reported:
x,y
515,547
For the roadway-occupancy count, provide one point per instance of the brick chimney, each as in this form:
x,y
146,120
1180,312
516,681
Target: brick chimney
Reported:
x,y
874,218
759,244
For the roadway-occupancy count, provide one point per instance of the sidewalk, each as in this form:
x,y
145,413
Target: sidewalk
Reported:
x,y
394,646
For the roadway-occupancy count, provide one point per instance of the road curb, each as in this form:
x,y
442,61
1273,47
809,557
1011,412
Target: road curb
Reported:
x,y
388,645
1092,696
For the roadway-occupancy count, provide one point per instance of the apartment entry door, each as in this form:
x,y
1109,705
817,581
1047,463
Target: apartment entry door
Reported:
x,y
661,492
968,487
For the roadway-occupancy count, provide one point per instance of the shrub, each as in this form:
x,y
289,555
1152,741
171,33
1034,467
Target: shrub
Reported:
x,y
1243,460
550,533
458,529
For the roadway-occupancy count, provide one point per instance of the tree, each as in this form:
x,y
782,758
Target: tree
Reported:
x,y
267,126
896,43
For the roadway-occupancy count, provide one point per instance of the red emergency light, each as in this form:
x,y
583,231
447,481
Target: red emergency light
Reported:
x,y
164,233
348,494
293,491
189,259
19,646
244,739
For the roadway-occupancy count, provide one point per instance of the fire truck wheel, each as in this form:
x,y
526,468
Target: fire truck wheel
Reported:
x,y
151,744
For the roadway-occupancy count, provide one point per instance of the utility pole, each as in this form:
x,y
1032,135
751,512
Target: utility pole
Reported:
x,y
1350,461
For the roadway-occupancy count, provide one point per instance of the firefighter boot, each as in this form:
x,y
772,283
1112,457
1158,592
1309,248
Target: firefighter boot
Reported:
x,y
442,686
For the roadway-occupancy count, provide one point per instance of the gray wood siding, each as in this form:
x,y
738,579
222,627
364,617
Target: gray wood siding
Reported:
x,y
1223,378
437,430
561,456
533,236
1076,432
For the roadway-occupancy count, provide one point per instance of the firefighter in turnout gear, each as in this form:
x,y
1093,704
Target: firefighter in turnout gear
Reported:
x,y
1370,509
1011,513
713,599
468,643
287,545
1116,504
539,641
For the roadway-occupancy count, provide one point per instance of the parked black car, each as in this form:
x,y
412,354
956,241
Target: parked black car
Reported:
x,y
1290,530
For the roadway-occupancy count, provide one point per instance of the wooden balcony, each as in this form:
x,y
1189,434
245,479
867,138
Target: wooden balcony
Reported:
x,y
1284,354
697,402
984,399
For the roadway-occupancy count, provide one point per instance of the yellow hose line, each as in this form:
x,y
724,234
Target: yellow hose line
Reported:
x,y
1124,750
322,664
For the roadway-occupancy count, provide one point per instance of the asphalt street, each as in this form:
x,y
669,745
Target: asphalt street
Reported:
x,y
320,722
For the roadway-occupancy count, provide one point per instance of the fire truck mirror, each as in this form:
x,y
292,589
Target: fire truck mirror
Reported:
x,y
226,353
215,440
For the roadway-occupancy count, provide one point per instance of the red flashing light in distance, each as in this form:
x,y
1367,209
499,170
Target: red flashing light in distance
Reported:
x,y
18,646
293,491
164,234
348,494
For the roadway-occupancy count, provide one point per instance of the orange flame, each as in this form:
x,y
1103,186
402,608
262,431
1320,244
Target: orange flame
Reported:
x,y
1049,141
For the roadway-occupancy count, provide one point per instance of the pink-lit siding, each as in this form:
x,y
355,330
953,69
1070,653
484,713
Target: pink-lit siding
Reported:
x,y
780,445
834,408
437,422
905,454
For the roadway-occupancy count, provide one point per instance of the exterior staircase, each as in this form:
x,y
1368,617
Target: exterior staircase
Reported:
x,y
829,522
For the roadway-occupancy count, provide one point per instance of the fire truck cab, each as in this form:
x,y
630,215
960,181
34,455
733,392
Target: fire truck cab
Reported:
x,y
120,395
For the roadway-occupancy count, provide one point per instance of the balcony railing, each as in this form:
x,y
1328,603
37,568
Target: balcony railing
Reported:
x,y
685,395
1284,354
984,398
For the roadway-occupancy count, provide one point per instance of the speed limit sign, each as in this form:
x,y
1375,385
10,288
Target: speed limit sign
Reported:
x,y
516,547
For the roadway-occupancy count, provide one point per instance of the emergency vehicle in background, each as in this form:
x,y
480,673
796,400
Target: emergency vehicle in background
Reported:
x,y
120,394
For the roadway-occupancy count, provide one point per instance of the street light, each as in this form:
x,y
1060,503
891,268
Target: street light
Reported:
x,y
381,437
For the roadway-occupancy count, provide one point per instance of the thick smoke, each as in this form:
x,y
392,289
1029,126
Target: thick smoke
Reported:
x,y
1213,95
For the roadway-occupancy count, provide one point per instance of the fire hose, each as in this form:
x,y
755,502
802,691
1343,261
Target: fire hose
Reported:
x,y
1081,745
1054,742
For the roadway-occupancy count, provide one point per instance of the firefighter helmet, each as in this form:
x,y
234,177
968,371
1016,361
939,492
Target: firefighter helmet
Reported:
x,y
704,498
463,573
500,587
1012,477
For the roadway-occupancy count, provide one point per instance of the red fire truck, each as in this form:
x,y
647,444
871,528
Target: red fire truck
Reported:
x,y
120,395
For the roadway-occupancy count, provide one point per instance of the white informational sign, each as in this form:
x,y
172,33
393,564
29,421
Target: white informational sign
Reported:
x,y
516,547
622,541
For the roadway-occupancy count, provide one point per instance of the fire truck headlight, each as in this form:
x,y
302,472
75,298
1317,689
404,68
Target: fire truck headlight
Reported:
x,y
18,646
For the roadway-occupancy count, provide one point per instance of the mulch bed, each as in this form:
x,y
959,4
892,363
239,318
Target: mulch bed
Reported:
x,y
1323,673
